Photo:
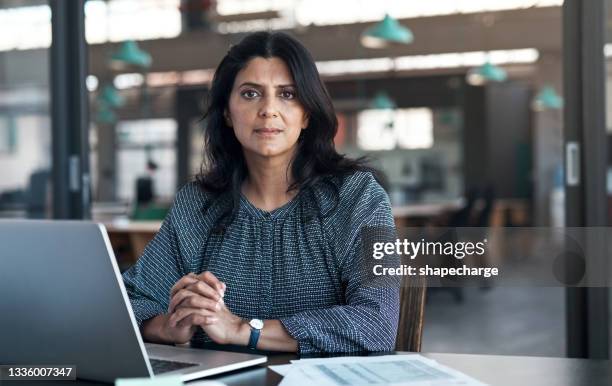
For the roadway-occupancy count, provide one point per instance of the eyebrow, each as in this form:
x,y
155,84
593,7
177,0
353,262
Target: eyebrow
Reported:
x,y
252,84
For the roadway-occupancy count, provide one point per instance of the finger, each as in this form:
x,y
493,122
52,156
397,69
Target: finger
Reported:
x,y
197,320
182,283
177,316
198,301
178,299
210,279
206,320
182,313
205,290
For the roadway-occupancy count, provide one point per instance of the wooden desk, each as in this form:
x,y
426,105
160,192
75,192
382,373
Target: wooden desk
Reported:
x,y
130,238
406,214
495,370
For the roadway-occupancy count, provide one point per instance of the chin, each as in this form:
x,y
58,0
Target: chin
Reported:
x,y
270,151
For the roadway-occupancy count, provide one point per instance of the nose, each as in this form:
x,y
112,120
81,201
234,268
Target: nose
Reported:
x,y
268,108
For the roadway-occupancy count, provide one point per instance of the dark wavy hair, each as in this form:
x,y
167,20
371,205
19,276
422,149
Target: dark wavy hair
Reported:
x,y
316,162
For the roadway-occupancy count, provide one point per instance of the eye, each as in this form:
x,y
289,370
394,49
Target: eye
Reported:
x,y
249,94
287,94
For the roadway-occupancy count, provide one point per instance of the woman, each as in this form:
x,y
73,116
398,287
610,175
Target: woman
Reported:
x,y
269,233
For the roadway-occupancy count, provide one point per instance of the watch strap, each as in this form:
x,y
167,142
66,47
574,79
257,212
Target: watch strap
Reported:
x,y
254,338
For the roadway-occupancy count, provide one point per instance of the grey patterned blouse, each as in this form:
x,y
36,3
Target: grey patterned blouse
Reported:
x,y
278,266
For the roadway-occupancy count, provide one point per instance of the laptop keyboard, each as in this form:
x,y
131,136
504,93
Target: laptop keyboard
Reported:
x,y
161,366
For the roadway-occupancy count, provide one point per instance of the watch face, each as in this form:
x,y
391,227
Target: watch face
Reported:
x,y
256,324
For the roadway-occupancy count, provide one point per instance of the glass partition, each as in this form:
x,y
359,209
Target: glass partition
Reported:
x,y
25,125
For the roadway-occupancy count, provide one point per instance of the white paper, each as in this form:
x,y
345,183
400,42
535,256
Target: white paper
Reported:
x,y
281,369
395,370
205,383
163,380
169,380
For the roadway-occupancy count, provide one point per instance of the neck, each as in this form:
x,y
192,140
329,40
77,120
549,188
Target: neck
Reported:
x,y
267,183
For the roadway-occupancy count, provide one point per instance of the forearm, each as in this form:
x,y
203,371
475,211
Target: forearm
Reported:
x,y
153,330
273,337
366,326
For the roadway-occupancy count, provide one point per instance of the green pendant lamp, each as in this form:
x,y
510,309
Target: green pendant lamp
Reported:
x,y
486,73
547,99
130,55
387,31
382,101
111,97
105,115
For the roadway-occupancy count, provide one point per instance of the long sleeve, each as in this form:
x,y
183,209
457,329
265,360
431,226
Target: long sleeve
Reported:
x,y
368,321
149,281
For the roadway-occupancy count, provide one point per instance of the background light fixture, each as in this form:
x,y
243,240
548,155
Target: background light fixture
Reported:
x,y
111,97
486,73
130,55
382,101
547,99
105,115
385,32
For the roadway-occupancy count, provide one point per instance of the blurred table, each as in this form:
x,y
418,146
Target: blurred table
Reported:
x,y
418,214
129,238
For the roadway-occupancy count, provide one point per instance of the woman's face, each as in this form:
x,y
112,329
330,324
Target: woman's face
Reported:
x,y
264,110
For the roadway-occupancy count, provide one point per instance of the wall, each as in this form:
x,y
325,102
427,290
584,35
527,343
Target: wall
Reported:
x,y
32,152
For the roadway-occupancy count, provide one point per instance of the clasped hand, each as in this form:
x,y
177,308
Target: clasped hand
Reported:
x,y
197,300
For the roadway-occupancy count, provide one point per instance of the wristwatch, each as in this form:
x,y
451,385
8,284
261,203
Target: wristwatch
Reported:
x,y
256,327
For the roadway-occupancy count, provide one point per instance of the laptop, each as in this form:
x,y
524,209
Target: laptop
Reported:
x,y
63,302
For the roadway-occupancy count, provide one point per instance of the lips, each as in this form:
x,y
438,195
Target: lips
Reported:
x,y
268,130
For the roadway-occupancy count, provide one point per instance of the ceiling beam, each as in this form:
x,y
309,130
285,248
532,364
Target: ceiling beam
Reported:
x,y
527,28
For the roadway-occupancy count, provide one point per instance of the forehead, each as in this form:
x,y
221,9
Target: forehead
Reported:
x,y
265,71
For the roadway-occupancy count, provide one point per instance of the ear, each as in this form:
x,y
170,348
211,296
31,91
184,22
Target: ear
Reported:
x,y
228,119
305,121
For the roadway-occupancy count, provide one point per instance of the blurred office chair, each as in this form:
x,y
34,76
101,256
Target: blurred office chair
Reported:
x,y
37,195
146,209
462,216
144,190
476,213
481,216
412,311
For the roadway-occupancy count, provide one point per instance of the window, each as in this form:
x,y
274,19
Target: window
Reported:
x,y
138,142
387,129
